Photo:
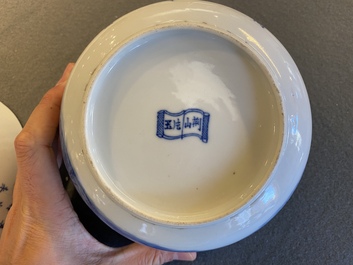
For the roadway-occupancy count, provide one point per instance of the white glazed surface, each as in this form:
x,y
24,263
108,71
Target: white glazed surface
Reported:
x,y
297,132
9,128
184,181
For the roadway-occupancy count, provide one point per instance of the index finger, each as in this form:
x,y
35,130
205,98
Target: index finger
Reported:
x,y
44,120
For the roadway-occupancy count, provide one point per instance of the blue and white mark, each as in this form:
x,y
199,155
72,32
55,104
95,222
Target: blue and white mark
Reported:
x,y
3,188
190,122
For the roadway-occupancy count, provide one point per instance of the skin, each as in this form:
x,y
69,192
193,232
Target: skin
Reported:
x,y
42,227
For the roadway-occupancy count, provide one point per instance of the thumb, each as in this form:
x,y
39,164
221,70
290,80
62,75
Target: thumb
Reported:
x,y
136,254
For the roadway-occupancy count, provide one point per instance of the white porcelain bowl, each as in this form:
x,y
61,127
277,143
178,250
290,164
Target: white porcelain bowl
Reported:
x,y
178,123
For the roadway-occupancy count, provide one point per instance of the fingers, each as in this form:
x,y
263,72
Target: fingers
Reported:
x,y
66,74
136,254
37,165
44,120
42,125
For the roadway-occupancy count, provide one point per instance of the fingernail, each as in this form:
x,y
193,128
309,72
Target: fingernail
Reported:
x,y
67,71
186,256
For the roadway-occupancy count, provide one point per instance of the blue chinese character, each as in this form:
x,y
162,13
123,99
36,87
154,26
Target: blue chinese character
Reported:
x,y
177,124
196,121
167,125
187,123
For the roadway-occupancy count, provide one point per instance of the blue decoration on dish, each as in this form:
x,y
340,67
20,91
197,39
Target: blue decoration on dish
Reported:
x,y
3,188
189,122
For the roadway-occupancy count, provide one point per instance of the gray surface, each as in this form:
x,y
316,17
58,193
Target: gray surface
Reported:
x,y
38,38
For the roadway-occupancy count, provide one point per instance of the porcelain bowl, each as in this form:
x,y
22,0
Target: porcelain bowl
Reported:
x,y
181,116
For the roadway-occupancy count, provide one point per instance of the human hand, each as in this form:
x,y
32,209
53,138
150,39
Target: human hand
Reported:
x,y
42,227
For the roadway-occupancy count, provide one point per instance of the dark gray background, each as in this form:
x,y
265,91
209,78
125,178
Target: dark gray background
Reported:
x,y
38,38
